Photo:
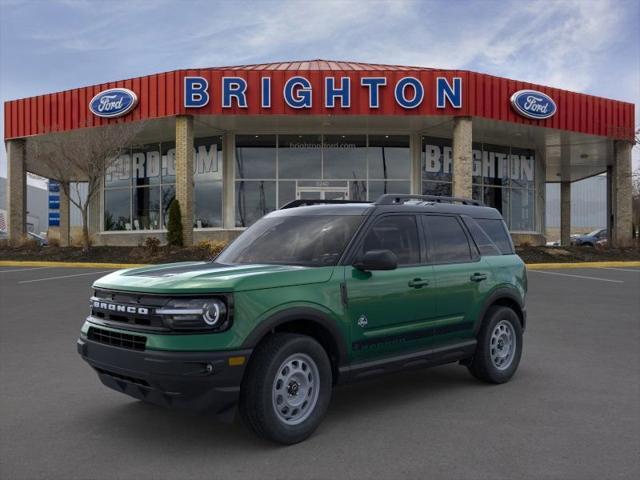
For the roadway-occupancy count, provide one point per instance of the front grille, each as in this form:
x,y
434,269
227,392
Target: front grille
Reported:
x,y
117,339
115,307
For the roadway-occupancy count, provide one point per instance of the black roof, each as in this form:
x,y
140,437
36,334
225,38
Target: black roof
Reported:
x,y
390,203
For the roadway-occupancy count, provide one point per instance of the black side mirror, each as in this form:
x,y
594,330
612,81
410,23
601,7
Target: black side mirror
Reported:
x,y
377,260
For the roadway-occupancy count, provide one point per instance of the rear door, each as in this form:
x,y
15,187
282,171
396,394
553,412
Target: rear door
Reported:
x,y
387,310
462,277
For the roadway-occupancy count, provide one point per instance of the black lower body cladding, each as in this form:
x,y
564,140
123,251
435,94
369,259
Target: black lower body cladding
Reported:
x,y
200,381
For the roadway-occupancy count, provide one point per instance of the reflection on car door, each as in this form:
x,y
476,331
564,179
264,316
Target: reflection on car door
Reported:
x,y
387,309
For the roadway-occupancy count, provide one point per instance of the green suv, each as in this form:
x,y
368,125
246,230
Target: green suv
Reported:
x,y
313,295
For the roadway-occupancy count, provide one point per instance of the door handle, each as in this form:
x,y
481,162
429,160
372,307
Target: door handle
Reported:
x,y
418,283
478,277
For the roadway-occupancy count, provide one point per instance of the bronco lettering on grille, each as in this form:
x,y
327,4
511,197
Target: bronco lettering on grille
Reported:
x,y
113,307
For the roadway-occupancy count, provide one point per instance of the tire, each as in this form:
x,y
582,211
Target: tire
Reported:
x,y
286,389
501,329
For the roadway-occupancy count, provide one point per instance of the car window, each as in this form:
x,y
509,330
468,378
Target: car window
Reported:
x,y
447,241
314,240
498,233
482,240
398,233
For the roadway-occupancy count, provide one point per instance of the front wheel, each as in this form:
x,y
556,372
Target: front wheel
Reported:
x,y
287,388
499,346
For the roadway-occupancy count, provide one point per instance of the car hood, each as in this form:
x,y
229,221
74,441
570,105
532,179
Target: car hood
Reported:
x,y
200,277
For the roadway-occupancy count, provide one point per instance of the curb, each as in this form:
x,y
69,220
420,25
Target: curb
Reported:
x,y
530,266
551,266
18,263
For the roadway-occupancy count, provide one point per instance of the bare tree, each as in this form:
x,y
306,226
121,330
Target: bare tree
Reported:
x,y
82,156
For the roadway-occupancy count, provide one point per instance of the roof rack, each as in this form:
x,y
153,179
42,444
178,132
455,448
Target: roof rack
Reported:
x,y
317,201
391,199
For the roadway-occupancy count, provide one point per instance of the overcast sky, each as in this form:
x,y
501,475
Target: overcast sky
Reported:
x,y
581,45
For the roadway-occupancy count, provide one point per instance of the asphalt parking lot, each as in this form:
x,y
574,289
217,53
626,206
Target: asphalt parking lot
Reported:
x,y
571,412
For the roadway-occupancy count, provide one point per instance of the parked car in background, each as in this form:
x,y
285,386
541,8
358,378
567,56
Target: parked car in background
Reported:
x,y
590,239
41,239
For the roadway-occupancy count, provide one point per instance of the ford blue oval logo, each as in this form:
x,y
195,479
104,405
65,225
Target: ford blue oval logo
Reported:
x,y
114,102
533,104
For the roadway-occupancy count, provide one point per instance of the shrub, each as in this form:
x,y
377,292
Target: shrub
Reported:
x,y
54,242
211,248
174,226
29,244
152,245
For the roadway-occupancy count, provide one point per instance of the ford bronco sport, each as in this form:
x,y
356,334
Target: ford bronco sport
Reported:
x,y
315,294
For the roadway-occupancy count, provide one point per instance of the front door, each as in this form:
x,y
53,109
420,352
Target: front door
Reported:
x,y
388,310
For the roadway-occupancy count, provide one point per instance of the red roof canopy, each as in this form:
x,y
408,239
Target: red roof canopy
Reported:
x,y
160,95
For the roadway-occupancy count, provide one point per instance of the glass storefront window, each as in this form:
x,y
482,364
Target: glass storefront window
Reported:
x,y
207,176
344,156
254,199
151,171
168,194
146,208
146,165
118,174
436,188
256,156
522,168
437,163
300,156
503,178
521,206
117,205
310,166
381,187
389,157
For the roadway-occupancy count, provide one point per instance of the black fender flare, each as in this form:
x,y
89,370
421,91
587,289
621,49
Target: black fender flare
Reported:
x,y
498,294
300,313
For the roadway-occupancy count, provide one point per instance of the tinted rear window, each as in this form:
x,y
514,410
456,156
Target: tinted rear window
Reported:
x,y
447,241
482,240
498,233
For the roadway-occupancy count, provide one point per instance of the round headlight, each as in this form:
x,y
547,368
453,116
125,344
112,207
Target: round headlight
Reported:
x,y
213,312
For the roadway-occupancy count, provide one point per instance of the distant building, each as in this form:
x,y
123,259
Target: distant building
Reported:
x,y
37,206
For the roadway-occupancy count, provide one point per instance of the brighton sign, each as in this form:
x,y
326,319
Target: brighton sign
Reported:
x,y
113,103
533,104
408,92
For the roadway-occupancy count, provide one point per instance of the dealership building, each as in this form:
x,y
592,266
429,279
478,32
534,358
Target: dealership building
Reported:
x,y
234,143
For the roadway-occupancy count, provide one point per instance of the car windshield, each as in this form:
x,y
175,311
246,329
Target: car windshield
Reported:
x,y
313,240
594,233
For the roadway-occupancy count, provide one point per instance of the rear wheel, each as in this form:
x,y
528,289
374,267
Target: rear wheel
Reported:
x,y
287,388
499,346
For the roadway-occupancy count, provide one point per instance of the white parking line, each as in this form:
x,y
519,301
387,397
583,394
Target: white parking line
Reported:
x,y
577,276
24,269
621,269
64,276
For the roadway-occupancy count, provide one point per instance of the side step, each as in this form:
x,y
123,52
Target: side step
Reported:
x,y
420,359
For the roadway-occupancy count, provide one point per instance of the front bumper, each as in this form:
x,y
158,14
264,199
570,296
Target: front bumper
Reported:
x,y
189,380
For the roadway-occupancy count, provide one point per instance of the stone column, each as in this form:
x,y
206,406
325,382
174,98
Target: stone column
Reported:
x,y
184,174
462,157
415,147
621,183
16,191
228,180
565,213
65,216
